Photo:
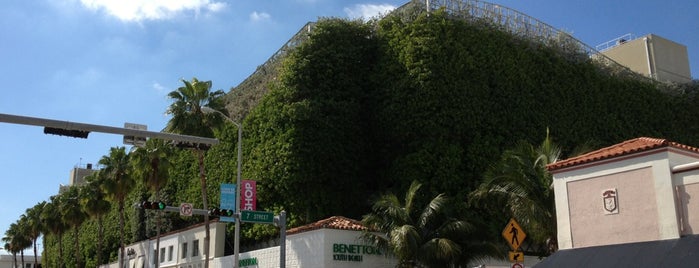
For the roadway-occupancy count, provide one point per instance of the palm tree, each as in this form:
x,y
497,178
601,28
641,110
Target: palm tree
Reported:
x,y
34,225
16,239
519,185
53,222
10,246
92,199
422,237
117,186
151,164
74,215
187,118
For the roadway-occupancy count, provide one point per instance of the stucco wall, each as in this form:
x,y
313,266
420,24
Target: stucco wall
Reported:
x,y
687,191
637,215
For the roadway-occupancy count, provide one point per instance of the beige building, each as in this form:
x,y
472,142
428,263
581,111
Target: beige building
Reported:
x,y
651,56
77,176
8,261
630,204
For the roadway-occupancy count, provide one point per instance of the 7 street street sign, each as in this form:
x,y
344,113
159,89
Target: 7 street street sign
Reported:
x,y
256,216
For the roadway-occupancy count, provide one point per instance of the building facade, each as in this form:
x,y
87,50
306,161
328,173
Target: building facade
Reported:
x,y
634,202
8,261
652,56
181,249
331,243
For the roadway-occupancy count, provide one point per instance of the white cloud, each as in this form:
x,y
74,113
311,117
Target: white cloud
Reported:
x,y
138,10
159,88
368,11
258,16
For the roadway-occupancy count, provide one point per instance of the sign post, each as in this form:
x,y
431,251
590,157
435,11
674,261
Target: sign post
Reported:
x,y
514,235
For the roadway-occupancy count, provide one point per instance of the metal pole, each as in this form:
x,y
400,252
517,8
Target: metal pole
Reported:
x,y
282,239
237,197
236,250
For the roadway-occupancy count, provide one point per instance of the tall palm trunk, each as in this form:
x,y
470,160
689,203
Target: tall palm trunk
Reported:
x,y
202,179
158,215
100,234
121,233
35,257
60,249
77,247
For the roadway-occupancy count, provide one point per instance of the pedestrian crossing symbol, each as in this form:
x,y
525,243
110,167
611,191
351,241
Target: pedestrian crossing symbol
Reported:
x,y
514,234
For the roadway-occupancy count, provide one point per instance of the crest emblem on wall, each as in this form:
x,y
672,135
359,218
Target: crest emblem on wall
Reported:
x,y
609,197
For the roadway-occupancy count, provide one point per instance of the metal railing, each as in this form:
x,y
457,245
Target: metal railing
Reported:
x,y
504,18
519,24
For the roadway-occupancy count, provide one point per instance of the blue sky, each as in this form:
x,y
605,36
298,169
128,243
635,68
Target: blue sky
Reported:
x,y
108,62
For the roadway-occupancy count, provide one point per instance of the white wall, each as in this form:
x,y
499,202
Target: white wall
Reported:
x,y
315,249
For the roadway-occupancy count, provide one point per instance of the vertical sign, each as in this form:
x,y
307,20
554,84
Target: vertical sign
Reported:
x,y
227,200
249,195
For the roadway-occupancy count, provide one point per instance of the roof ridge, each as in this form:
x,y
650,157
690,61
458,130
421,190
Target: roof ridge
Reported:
x,y
627,147
334,222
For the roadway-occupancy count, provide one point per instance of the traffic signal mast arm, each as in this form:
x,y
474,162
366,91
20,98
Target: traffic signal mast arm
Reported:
x,y
148,205
68,128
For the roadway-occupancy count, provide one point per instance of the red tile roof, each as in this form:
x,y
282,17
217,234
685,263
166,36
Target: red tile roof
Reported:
x,y
334,222
625,148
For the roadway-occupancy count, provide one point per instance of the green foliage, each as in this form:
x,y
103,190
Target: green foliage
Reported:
x,y
308,140
364,108
426,234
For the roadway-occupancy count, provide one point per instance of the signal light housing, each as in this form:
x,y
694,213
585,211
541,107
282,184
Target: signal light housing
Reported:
x,y
221,212
153,205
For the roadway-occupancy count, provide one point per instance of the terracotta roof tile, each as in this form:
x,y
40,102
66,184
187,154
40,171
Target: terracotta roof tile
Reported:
x,y
625,148
334,222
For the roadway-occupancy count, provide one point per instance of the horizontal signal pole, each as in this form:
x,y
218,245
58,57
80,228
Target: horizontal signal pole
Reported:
x,y
73,126
195,211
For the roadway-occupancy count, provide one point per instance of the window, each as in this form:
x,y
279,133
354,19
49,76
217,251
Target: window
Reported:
x,y
184,250
169,253
162,255
195,248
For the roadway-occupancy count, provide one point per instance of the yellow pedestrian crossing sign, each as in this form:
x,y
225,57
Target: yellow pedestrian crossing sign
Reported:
x,y
514,234
516,256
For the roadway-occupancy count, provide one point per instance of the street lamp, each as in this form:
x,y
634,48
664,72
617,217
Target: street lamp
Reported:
x,y
236,251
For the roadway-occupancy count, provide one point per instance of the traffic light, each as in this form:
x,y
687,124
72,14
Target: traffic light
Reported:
x,y
66,132
221,212
153,205
192,145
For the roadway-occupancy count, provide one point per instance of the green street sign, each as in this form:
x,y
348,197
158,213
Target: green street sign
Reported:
x,y
256,216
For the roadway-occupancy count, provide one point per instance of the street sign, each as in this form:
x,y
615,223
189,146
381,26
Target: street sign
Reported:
x,y
516,256
135,140
186,209
514,234
256,216
517,265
